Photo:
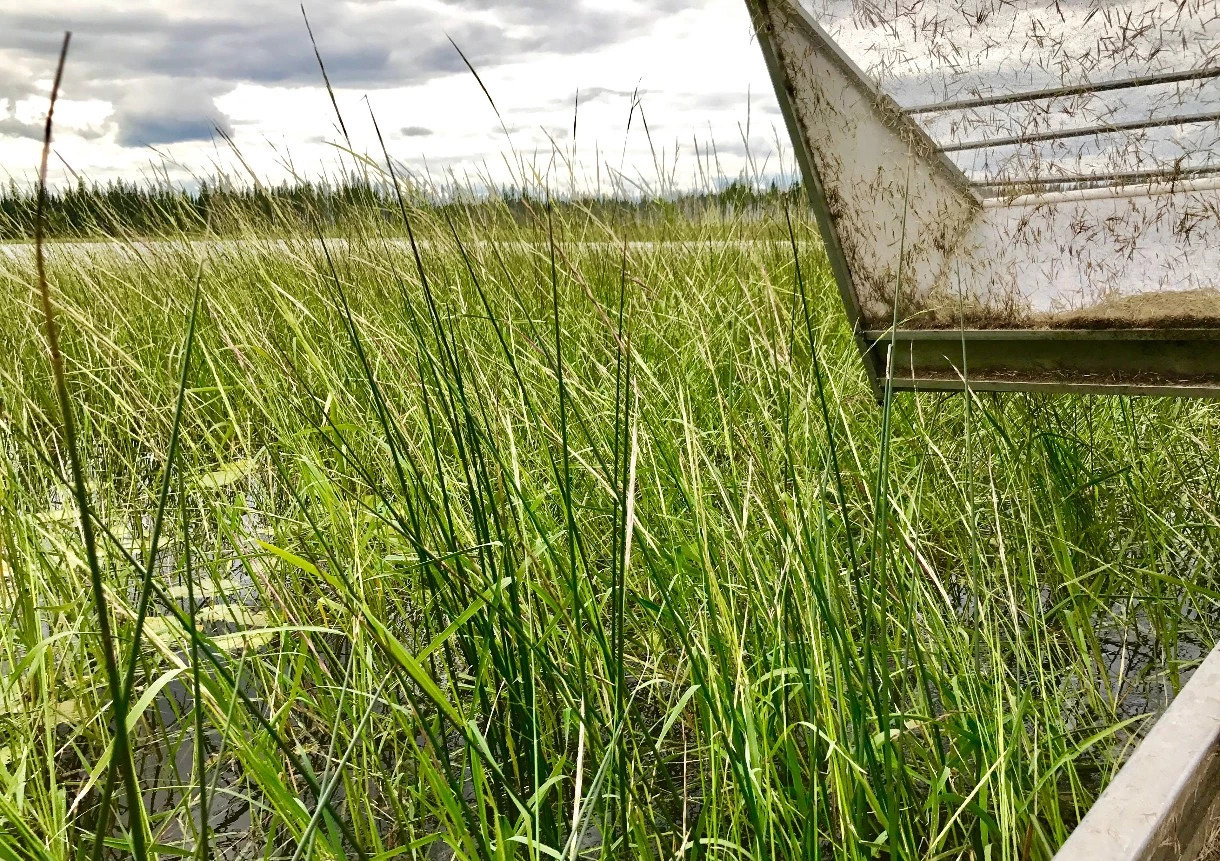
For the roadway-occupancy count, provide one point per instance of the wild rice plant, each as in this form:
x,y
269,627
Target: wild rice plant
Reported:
x,y
518,539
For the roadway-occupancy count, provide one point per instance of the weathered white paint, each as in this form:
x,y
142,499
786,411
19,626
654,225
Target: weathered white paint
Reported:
x,y
888,190
1021,261
1070,254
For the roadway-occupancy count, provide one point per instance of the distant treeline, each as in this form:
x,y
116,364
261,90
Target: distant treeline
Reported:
x,y
129,209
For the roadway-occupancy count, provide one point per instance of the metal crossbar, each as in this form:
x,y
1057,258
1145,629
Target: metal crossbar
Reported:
x,y
1100,129
1023,311
1168,174
1070,90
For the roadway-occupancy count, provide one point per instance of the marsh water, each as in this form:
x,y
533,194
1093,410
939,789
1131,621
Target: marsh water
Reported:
x,y
1137,675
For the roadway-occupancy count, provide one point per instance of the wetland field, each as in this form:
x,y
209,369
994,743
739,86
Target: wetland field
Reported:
x,y
542,532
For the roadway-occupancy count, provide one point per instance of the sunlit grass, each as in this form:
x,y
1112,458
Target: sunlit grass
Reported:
x,y
561,549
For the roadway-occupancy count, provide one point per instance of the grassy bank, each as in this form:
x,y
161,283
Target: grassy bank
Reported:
x,y
160,209
555,548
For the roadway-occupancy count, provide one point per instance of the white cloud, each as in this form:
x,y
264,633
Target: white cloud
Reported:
x,y
168,72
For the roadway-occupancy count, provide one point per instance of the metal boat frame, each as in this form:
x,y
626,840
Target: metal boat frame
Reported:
x,y
1153,361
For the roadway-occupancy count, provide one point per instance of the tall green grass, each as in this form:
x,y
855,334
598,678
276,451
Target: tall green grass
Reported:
x,y
561,546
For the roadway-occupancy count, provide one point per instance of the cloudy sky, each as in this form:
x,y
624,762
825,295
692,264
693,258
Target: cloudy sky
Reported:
x,y
149,82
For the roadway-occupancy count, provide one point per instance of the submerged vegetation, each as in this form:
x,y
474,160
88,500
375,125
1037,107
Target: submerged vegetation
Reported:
x,y
560,546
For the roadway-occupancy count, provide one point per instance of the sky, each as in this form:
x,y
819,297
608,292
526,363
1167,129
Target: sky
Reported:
x,y
151,84
672,93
